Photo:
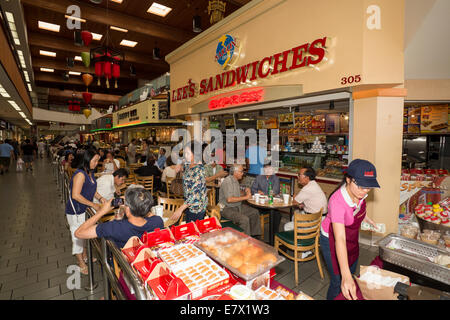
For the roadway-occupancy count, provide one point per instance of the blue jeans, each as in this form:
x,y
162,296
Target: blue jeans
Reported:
x,y
335,280
190,216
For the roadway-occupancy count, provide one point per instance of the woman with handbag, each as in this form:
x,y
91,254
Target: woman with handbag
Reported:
x,y
82,190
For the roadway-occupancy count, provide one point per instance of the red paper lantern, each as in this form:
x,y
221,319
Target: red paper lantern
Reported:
x,y
70,105
87,97
98,68
116,70
107,70
76,105
87,37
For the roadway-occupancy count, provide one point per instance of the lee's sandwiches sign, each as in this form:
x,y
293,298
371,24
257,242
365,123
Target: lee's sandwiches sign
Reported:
x,y
302,56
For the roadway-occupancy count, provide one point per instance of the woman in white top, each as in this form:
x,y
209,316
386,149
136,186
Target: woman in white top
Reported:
x,y
169,170
110,164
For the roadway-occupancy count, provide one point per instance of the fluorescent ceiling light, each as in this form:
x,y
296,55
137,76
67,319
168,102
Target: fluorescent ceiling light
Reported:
x,y
118,29
117,1
128,43
96,36
47,70
74,73
23,115
27,78
29,122
21,59
48,26
9,16
159,9
47,53
74,18
29,87
3,92
78,58
14,105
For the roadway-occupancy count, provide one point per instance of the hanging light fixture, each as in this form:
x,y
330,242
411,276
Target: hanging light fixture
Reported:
x,y
197,22
106,59
156,53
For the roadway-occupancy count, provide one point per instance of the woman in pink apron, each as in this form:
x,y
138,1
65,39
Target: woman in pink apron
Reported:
x,y
340,228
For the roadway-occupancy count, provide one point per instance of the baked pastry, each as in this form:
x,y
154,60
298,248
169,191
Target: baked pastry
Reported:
x,y
236,261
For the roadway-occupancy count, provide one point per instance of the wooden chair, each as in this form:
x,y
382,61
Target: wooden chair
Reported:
x,y
133,166
171,205
122,162
146,182
263,219
168,194
304,237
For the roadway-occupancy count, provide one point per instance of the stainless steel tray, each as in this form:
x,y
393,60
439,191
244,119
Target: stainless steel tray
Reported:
x,y
414,255
242,237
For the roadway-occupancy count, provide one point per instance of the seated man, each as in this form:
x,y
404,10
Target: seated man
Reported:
x,y
311,197
214,171
161,162
139,219
232,208
151,170
108,184
261,185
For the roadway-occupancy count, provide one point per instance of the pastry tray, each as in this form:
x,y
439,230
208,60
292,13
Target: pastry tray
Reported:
x,y
241,237
414,255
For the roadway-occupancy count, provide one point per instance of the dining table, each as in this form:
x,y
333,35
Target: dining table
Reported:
x,y
278,204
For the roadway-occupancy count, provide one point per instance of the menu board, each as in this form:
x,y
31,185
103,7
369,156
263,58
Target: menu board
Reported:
x,y
414,114
434,119
318,124
270,123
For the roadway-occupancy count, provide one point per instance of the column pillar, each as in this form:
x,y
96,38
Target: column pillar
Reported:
x,y
377,137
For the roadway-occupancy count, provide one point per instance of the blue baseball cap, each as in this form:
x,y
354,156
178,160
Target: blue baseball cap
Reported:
x,y
364,173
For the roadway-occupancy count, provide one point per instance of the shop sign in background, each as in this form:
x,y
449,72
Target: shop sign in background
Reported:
x,y
434,119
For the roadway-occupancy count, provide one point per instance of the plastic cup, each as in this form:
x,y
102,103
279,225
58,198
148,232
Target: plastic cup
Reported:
x,y
286,198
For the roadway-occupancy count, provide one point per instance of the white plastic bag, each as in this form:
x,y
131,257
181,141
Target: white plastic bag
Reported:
x,y
19,165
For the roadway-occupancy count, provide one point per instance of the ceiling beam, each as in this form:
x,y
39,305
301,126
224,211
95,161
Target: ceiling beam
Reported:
x,y
51,42
96,97
60,65
132,23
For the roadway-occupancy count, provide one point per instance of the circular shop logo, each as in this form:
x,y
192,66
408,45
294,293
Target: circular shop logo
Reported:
x,y
225,50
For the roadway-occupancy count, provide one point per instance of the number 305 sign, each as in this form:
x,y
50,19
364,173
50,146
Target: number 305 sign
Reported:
x,y
350,79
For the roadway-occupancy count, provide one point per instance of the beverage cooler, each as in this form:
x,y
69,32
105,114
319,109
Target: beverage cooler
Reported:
x,y
426,151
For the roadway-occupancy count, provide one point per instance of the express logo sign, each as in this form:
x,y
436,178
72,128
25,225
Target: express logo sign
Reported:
x,y
226,48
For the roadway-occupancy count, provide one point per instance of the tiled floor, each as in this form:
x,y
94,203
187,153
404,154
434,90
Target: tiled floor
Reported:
x,y
35,245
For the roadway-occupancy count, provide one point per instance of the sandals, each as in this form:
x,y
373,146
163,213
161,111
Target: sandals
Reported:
x,y
84,270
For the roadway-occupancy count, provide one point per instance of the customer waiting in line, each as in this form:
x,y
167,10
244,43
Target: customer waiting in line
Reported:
x,y
109,184
310,198
131,151
82,190
161,162
194,181
231,200
214,171
339,236
110,164
138,219
6,154
150,170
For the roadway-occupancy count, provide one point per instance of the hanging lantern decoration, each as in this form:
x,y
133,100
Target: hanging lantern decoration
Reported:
x,y
70,105
216,10
116,70
87,37
98,69
87,79
76,105
87,112
107,63
87,97
86,58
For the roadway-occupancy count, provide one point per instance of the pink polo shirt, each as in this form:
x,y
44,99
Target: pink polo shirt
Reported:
x,y
341,209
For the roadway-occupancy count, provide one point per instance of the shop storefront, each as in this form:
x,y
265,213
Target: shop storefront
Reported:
x,y
301,74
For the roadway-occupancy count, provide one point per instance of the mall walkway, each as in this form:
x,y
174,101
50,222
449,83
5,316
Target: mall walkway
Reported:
x,y
35,244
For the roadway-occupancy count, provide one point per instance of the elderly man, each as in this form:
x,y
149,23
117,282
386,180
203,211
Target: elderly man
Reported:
x,y
108,184
230,201
311,197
